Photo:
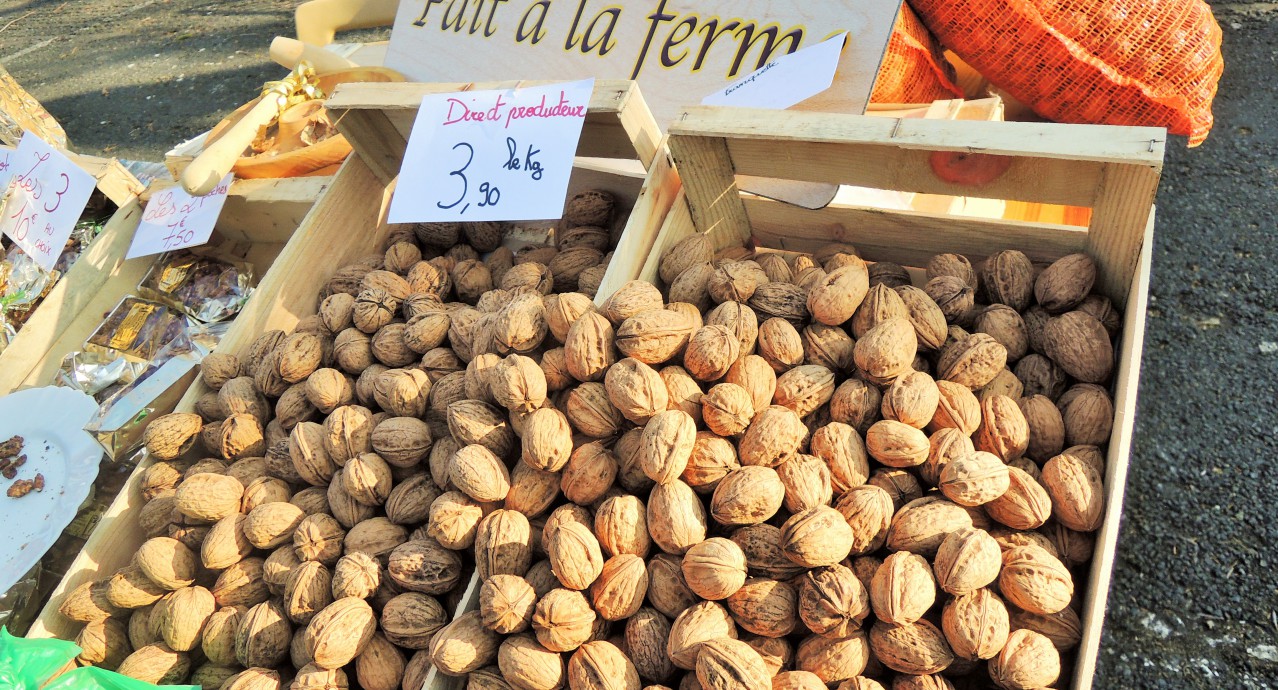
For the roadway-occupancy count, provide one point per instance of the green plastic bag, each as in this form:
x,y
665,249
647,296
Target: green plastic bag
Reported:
x,y
92,678
28,664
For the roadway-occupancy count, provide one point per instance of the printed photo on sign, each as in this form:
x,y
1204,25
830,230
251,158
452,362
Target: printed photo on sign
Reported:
x,y
173,219
43,199
491,155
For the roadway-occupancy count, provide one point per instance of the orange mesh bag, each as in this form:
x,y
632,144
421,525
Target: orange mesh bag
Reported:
x,y
913,70
1118,62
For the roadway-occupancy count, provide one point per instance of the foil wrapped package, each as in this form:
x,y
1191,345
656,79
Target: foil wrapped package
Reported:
x,y
122,417
136,333
202,286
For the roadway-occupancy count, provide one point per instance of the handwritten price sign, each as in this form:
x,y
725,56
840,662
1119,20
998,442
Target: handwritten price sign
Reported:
x,y
43,199
491,155
174,219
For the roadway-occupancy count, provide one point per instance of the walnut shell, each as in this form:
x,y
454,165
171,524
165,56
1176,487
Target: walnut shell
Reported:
x,y
747,496
832,601
506,603
1035,580
1077,491
526,665
263,636
765,607
208,497
1008,278
700,623
774,436
973,361
1028,660
676,517
171,435
157,664
868,511
917,648
653,336
357,574
967,560
692,250
902,589
816,537
1087,415
166,562
975,624
620,589
340,632
308,590
922,525
887,350
728,664
563,620
575,555
780,344
836,297
834,659
974,479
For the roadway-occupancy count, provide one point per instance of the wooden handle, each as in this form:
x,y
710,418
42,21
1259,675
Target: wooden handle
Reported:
x,y
288,52
318,21
203,174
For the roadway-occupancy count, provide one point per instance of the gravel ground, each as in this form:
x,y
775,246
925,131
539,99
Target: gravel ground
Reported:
x,y
1194,602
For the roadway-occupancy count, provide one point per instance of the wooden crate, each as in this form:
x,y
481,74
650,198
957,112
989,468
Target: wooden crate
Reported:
x,y
1112,170
256,222
347,223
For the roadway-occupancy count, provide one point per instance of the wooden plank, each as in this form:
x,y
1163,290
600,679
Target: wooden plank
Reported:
x,y
78,293
1096,143
376,140
710,185
1119,220
655,200
908,238
641,128
114,181
269,210
677,226
1127,382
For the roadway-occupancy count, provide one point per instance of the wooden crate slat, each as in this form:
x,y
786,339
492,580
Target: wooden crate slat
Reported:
x,y
269,210
881,236
1045,180
1126,384
1097,143
376,139
1118,224
710,185
659,192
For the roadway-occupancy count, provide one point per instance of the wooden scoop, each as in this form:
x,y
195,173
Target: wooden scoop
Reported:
x,y
218,157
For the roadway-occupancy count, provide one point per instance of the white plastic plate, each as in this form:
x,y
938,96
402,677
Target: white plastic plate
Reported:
x,y
51,421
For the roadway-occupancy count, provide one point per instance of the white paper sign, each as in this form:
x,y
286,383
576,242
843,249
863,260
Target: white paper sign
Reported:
x,y
43,200
678,50
786,81
491,155
174,219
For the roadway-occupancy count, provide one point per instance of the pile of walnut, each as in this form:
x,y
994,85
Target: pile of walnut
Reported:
x,y
780,473
289,522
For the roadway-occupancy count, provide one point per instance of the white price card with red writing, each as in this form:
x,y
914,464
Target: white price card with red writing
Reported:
x,y
491,155
174,219
43,199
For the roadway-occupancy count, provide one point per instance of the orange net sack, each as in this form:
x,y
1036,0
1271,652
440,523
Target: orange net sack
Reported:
x,y
1118,62
913,69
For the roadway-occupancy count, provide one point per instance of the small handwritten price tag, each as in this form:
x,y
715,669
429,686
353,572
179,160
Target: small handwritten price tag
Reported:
x,y
786,81
43,199
491,155
174,219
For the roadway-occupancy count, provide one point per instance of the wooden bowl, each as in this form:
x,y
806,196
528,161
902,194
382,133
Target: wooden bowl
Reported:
x,y
317,159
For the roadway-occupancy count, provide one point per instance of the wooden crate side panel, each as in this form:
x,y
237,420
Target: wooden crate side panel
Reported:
x,y
72,295
269,210
710,185
1127,383
1096,143
1118,227
678,225
651,208
1026,178
114,180
908,238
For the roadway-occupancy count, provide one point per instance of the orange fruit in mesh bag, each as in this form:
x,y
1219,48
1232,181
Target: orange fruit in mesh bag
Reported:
x,y
913,70
1118,62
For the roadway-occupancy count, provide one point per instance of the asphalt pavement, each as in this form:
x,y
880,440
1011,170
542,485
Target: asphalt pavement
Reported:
x,y
1194,600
